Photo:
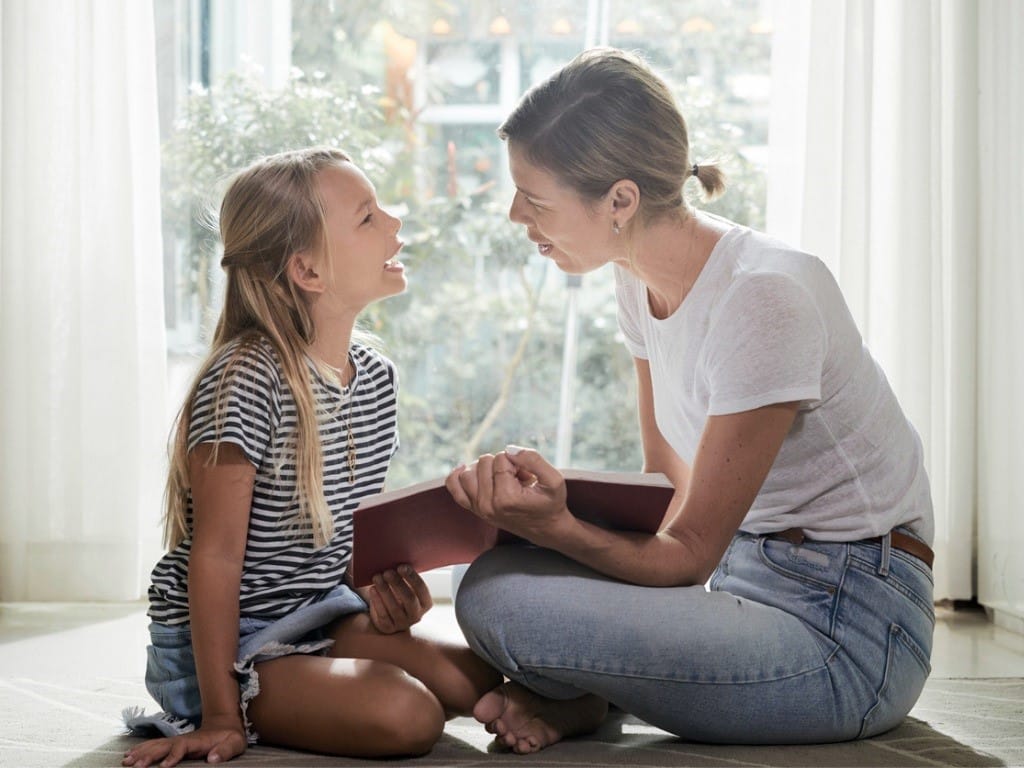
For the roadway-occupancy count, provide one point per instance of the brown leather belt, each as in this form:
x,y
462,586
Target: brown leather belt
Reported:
x,y
898,540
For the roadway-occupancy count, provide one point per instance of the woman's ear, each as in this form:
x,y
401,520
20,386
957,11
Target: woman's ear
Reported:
x,y
303,272
624,201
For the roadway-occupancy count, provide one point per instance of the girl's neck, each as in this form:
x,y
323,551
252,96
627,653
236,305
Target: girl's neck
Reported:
x,y
332,352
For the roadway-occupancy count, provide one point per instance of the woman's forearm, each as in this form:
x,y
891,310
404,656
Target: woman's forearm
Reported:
x,y
658,560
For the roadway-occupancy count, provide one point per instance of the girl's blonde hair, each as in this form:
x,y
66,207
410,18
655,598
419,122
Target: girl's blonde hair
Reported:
x,y
271,210
603,117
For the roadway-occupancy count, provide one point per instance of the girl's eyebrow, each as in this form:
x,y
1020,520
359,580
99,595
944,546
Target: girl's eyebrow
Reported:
x,y
367,203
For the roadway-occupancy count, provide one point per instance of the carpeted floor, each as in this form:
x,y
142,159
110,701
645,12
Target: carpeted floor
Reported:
x,y
957,722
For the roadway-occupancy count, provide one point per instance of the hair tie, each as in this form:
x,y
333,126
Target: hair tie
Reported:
x,y
695,170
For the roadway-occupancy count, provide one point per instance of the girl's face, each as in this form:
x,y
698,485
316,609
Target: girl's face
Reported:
x,y
362,237
573,233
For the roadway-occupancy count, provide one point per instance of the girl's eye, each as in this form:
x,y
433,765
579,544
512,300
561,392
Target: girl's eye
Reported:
x,y
368,218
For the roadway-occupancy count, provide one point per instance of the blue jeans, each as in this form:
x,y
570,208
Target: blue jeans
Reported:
x,y
809,643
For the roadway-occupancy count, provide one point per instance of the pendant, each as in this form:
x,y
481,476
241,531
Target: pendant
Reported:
x,y
351,455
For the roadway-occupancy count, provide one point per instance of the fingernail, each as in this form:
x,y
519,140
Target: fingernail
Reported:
x,y
512,450
405,570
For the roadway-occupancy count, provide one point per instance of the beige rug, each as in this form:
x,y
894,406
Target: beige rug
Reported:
x,y
957,722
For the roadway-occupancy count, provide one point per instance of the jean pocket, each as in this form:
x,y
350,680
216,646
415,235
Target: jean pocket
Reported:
x,y
801,580
171,673
907,666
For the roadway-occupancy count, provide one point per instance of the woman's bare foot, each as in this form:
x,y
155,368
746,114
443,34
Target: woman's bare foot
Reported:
x,y
526,722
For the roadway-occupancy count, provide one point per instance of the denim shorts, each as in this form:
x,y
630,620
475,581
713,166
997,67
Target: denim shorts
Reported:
x,y
171,669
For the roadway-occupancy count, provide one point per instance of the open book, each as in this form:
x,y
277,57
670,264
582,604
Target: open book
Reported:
x,y
423,526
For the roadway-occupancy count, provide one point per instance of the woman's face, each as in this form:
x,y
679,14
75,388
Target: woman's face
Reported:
x,y
570,231
362,237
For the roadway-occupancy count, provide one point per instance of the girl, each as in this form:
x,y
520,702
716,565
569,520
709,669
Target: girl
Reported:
x,y
255,633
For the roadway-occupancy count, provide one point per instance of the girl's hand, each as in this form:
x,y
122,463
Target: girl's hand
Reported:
x,y
516,490
397,599
216,741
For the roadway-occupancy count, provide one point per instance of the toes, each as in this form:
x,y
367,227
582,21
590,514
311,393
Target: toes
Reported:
x,y
526,746
491,705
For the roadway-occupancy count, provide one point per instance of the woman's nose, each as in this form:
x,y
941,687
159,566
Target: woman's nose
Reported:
x,y
515,211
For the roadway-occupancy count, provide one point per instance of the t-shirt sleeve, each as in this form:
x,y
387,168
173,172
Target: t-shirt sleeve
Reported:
x,y
627,296
766,345
244,409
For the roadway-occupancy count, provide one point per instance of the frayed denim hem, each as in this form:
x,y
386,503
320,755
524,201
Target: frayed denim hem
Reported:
x,y
249,678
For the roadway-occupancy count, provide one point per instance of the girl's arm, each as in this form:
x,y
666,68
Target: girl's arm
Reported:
x,y
732,460
221,500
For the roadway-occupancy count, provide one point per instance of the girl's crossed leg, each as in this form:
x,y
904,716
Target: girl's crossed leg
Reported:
x,y
354,707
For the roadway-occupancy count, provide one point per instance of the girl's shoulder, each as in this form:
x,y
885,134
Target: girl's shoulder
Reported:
x,y
374,364
251,360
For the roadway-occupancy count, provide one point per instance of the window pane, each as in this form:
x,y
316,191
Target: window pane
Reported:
x,y
414,90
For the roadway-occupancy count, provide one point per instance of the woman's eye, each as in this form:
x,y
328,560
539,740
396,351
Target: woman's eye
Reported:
x,y
369,217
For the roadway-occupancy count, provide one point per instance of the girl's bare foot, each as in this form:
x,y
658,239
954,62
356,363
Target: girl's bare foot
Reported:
x,y
526,722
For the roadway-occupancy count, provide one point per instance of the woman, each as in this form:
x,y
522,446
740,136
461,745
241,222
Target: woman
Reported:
x,y
801,495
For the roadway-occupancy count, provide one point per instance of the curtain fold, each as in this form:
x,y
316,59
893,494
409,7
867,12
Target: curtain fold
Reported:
x,y
83,413
875,169
1001,353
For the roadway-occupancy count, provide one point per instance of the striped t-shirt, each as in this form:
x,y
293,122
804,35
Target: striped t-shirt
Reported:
x,y
283,570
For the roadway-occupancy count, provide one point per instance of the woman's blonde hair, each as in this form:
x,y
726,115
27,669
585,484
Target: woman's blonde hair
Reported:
x,y
271,210
603,117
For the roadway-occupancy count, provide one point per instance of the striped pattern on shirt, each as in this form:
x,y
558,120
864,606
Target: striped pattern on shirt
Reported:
x,y
282,570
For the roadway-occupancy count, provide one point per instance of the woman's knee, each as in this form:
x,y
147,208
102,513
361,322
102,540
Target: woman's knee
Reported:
x,y
489,593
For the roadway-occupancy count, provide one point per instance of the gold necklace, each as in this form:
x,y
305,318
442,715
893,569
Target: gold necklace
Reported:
x,y
351,443
351,439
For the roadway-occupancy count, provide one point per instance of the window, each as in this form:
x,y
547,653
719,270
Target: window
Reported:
x,y
494,344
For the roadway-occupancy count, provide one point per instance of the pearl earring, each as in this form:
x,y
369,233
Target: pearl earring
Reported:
x,y
615,228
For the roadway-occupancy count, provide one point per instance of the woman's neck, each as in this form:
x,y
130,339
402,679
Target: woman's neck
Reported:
x,y
668,257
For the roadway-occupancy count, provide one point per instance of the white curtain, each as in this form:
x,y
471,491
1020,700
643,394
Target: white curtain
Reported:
x,y
875,142
82,362
1001,320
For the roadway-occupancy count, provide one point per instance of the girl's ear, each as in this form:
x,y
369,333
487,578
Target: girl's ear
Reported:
x,y
624,201
303,272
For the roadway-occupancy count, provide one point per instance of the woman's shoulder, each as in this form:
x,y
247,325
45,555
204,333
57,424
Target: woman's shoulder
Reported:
x,y
757,257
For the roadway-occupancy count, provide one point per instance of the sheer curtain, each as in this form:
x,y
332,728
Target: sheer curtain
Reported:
x,y
1001,320
875,137
83,416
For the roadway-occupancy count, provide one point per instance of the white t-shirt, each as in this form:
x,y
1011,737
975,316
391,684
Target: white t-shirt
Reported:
x,y
767,324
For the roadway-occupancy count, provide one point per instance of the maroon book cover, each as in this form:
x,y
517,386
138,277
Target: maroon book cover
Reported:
x,y
423,526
